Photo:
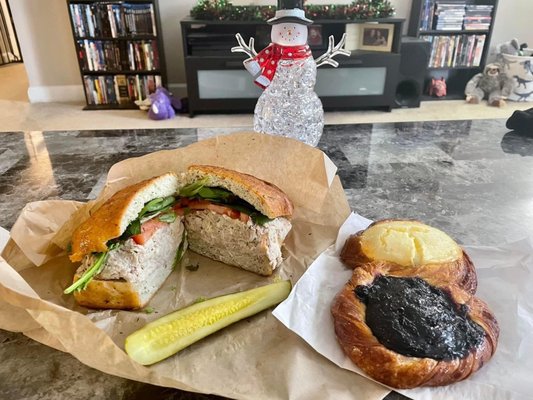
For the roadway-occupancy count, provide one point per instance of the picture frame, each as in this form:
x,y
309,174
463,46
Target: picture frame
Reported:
x,y
375,37
314,36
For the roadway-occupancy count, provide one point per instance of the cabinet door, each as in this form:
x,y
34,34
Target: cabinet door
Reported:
x,y
341,82
219,84
226,84
362,80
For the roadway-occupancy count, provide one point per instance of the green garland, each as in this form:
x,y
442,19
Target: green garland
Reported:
x,y
223,10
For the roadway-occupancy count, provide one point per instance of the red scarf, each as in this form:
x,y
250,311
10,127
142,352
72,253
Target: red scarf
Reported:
x,y
269,57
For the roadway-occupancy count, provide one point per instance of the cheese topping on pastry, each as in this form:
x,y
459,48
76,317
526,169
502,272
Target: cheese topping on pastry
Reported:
x,y
408,243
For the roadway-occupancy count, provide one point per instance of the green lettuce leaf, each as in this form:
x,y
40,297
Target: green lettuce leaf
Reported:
x,y
92,271
168,217
192,189
181,249
134,228
215,194
155,206
199,190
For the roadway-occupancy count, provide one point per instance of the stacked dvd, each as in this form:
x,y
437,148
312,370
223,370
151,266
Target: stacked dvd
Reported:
x,y
449,16
478,17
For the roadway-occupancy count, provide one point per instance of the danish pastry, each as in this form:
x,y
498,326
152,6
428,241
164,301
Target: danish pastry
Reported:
x,y
408,330
417,247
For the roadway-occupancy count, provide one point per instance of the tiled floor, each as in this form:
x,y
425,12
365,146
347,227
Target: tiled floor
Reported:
x,y
470,178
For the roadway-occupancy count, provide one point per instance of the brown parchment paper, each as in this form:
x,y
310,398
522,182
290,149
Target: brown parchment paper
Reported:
x,y
257,358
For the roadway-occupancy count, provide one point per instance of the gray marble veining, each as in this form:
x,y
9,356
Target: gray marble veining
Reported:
x,y
470,178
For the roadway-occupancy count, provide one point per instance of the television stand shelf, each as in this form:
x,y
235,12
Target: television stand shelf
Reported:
x,y
218,82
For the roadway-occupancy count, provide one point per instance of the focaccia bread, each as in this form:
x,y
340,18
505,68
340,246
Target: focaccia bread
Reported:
x,y
266,197
417,247
112,218
121,268
132,273
409,331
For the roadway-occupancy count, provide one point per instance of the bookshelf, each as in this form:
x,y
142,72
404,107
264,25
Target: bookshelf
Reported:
x,y
119,51
459,32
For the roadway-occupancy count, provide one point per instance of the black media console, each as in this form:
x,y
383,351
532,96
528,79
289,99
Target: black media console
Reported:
x,y
218,82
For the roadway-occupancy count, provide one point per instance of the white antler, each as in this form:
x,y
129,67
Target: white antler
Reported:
x,y
243,48
327,57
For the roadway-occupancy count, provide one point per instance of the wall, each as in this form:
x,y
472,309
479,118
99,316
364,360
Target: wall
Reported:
x,y
47,46
171,12
513,20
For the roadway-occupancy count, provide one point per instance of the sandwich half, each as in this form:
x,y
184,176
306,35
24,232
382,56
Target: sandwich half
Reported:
x,y
234,217
128,246
131,243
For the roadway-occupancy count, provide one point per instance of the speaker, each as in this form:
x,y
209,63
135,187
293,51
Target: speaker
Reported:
x,y
413,68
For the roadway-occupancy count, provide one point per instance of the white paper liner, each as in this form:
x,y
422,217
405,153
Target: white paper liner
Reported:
x,y
505,283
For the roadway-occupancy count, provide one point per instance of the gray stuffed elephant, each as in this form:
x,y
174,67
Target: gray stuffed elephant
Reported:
x,y
491,84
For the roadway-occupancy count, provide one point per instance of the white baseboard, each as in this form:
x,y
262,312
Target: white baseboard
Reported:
x,y
61,94
55,94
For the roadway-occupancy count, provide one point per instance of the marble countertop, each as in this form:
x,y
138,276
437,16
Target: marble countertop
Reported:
x,y
470,178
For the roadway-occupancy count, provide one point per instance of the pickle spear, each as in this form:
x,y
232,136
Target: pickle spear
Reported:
x,y
173,332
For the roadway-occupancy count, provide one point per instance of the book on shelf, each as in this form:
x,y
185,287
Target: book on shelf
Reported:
x,y
116,20
452,51
119,89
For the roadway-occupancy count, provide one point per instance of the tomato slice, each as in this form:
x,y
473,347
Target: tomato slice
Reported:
x,y
197,204
179,211
147,230
220,209
244,217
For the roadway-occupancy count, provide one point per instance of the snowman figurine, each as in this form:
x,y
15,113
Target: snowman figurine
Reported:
x,y
286,71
